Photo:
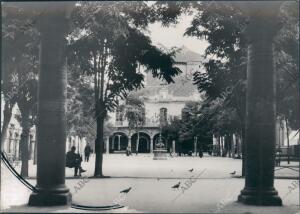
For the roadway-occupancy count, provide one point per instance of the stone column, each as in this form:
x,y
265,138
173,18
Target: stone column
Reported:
x,y
30,150
119,142
129,142
17,152
173,146
260,106
51,125
107,145
195,146
6,142
151,145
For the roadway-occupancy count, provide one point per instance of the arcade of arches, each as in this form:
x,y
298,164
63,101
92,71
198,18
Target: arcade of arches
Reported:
x,y
142,141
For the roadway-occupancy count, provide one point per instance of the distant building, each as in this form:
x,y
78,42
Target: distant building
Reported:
x,y
160,100
11,144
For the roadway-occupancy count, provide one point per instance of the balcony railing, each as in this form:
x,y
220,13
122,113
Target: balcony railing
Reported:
x,y
149,123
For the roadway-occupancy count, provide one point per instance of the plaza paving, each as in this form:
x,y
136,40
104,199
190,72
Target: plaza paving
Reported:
x,y
212,190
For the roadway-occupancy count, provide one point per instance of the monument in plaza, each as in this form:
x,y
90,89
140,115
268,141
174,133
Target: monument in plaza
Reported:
x,y
160,151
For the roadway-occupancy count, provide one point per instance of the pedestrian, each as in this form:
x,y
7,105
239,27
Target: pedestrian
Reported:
x,y
87,152
74,160
200,153
128,151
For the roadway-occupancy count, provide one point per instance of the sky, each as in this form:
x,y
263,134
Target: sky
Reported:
x,y
173,36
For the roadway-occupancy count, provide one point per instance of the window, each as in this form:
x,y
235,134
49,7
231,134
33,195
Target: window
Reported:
x,y
119,117
163,114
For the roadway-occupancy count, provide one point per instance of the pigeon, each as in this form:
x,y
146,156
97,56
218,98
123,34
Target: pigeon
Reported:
x,y
176,186
126,190
233,173
191,170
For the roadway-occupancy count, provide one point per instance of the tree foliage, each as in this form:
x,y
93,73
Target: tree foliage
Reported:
x,y
108,45
20,60
193,123
223,75
134,112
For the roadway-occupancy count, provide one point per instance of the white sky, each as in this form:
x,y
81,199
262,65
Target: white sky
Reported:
x,y
173,36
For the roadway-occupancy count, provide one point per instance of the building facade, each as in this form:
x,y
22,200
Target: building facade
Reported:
x,y
160,100
11,145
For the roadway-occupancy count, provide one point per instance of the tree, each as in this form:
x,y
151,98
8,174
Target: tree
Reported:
x,y
27,100
17,40
170,130
134,112
80,121
222,24
109,51
194,122
21,67
287,65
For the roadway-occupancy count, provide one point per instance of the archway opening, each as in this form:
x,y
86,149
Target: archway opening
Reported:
x,y
118,142
144,143
156,139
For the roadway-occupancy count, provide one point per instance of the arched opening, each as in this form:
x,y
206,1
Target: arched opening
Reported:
x,y
144,142
118,142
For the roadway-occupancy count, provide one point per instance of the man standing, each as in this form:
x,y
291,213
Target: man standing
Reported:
x,y
87,152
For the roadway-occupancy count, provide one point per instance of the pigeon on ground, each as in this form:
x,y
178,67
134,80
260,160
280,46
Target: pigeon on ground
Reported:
x,y
176,186
191,170
126,190
233,173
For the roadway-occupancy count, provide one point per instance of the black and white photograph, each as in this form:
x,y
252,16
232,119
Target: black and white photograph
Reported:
x,y
150,107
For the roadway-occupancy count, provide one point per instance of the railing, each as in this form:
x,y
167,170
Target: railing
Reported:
x,y
149,123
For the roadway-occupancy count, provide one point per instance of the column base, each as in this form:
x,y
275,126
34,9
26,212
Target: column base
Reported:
x,y
262,198
42,199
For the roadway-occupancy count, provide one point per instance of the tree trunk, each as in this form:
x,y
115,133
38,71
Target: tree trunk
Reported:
x,y
288,140
99,144
24,143
219,147
7,113
243,151
35,152
138,142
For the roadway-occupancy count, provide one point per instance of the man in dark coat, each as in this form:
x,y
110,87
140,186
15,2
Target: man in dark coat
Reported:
x,y
74,160
87,152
